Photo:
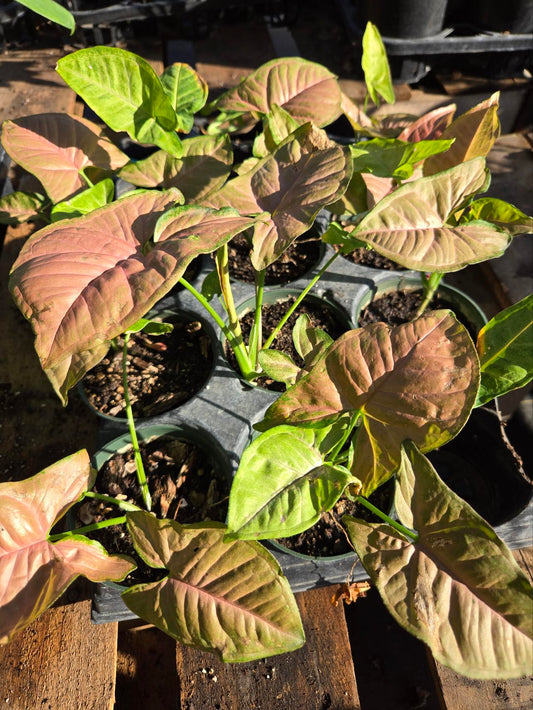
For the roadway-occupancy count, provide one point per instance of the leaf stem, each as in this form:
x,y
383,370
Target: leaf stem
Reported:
x,y
431,284
87,528
141,475
256,334
123,504
393,523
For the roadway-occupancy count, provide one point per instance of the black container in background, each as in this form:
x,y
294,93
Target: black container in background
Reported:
x,y
406,18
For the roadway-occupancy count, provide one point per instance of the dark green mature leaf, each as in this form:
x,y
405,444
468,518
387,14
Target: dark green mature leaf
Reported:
x,y
376,66
410,226
229,598
187,92
505,347
418,380
125,92
17,207
457,587
283,485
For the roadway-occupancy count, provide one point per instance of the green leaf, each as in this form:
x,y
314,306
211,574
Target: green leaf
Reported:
x,y
376,66
282,485
17,207
278,366
187,92
125,92
211,285
458,587
229,598
84,202
505,347
498,212
389,157
152,327
53,11
310,343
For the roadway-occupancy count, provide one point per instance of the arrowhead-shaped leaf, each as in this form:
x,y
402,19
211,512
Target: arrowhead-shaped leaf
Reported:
x,y
308,91
278,366
389,157
305,173
500,213
17,207
282,485
458,587
376,66
33,571
410,226
474,133
202,169
125,92
187,92
418,380
430,126
229,598
505,347
56,147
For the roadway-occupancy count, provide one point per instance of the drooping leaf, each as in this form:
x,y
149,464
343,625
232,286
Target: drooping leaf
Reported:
x,y
202,169
278,366
282,485
458,587
52,11
418,380
305,173
34,572
474,133
84,202
505,347
83,282
307,91
389,157
376,66
500,213
125,92
410,225
56,147
187,92
229,598
17,207
430,126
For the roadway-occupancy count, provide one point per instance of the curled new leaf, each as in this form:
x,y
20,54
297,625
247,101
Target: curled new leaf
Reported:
x,y
456,586
187,92
229,598
376,66
34,572
418,380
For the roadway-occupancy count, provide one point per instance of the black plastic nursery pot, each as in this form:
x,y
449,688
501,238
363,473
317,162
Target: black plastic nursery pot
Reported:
x,y
406,18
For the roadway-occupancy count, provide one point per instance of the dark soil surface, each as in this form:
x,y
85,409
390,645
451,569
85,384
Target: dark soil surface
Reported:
x,y
297,260
399,307
185,485
320,314
373,259
327,537
164,371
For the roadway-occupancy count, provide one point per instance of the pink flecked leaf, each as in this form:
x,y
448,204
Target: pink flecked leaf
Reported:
x,y
55,147
34,572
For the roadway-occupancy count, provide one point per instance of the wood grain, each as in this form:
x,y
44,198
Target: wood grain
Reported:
x,y
318,676
60,662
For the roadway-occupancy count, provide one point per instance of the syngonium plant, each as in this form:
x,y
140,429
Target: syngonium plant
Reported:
x,y
360,410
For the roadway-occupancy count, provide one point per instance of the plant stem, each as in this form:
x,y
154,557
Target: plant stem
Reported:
x,y
393,523
431,284
123,504
338,448
256,334
87,528
300,298
141,475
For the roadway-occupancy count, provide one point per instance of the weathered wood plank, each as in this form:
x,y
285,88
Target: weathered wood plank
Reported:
x,y
461,693
61,661
317,676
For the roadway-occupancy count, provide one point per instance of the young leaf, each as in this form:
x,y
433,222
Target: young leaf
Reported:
x,y
376,66
278,366
125,92
211,285
84,202
278,124
417,380
33,571
17,207
430,126
307,91
52,11
389,157
282,485
229,598
410,225
203,167
505,347
310,343
305,173
474,133
151,327
187,92
56,147
457,587
500,213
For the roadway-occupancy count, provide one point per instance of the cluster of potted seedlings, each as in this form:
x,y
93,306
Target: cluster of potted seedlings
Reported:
x,y
354,413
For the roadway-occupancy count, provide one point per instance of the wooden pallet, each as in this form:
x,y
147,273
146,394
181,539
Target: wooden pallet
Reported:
x,y
355,657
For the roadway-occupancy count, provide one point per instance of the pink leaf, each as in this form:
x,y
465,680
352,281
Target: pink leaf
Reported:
x,y
430,126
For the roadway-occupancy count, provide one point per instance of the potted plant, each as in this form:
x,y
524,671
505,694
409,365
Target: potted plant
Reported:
x,y
358,410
